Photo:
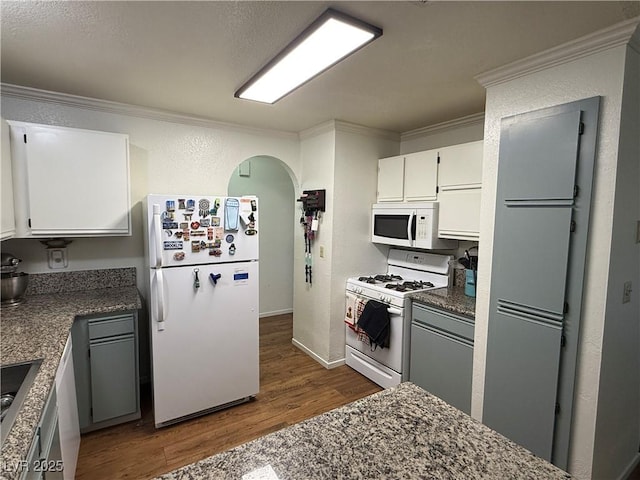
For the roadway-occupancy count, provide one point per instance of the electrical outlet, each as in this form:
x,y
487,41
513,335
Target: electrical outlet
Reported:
x,y
57,258
626,292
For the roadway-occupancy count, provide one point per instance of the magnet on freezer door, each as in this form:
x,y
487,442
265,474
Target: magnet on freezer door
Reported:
x,y
229,238
178,256
203,206
196,280
232,249
170,205
215,277
204,222
215,221
231,213
181,205
195,246
216,252
172,245
195,225
191,204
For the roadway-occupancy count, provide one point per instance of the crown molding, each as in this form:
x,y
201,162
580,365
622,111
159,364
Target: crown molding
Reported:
x,y
107,106
469,120
341,126
611,37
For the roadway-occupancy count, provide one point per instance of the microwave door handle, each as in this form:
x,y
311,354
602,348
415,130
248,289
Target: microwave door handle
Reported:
x,y
412,218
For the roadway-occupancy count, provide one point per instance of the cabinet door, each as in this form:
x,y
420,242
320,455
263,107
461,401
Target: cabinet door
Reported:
x,y
461,164
89,173
391,179
459,213
442,356
113,378
8,218
421,176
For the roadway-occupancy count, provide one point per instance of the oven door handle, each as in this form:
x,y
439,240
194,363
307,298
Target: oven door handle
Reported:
x,y
394,311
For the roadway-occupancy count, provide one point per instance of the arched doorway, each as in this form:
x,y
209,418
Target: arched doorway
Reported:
x,y
268,179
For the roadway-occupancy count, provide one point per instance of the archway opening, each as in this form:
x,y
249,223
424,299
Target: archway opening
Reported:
x,y
269,179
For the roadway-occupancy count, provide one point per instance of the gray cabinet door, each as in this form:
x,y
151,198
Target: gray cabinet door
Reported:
x,y
543,157
442,365
113,378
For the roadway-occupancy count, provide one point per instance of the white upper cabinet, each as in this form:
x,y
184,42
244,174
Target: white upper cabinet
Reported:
x,y
69,182
8,218
461,165
460,188
391,179
411,177
421,176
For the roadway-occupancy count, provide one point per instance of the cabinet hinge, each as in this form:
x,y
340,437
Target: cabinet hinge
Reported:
x,y
576,190
25,138
572,227
437,189
557,409
91,411
581,128
89,352
565,309
29,222
438,159
563,341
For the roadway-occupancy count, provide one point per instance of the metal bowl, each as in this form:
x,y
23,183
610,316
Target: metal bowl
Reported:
x,y
13,287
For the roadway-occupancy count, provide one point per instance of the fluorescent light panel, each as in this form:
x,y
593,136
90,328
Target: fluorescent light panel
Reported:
x,y
331,38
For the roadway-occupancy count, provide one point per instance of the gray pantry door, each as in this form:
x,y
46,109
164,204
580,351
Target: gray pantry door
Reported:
x,y
545,173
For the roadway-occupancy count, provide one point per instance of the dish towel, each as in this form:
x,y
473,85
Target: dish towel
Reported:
x,y
376,324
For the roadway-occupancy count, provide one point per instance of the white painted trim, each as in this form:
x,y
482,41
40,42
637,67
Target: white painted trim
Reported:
x,y
338,125
28,93
316,357
614,36
275,312
469,120
631,467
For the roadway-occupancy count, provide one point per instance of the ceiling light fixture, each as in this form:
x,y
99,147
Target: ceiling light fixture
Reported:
x,y
328,40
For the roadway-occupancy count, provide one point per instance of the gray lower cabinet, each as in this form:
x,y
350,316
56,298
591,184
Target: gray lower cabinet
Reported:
x,y
441,359
44,460
105,358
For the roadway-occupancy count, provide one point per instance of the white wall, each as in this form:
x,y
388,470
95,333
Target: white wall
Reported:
x,y
311,306
270,181
617,434
341,158
599,73
169,155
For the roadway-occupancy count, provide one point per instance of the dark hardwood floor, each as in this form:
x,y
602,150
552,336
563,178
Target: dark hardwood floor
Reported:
x,y
293,387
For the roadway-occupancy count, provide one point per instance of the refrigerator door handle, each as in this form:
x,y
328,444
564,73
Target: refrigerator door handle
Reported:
x,y
157,230
160,297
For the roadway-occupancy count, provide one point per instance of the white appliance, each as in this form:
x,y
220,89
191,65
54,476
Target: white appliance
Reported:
x,y
413,225
68,421
202,254
407,272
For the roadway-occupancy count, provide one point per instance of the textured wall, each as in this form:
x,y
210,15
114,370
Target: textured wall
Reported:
x,y
597,74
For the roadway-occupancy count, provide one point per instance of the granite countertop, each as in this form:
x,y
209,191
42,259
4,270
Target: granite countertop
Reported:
x,y
402,432
452,299
38,329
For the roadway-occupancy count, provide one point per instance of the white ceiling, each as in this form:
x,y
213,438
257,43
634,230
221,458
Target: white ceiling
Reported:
x,y
190,57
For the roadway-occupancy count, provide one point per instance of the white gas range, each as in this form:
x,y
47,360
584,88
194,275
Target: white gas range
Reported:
x,y
407,272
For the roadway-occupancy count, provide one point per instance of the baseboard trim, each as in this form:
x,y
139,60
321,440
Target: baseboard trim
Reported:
x,y
276,312
316,357
630,468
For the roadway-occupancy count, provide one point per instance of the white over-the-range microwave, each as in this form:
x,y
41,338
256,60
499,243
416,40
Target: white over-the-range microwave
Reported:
x,y
413,225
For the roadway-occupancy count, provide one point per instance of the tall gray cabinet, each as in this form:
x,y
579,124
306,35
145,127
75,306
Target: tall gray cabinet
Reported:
x,y
545,174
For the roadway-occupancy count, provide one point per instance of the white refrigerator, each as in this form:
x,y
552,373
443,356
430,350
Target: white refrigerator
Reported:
x,y
202,254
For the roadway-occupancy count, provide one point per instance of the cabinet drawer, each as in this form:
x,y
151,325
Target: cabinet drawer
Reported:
x,y
444,322
110,326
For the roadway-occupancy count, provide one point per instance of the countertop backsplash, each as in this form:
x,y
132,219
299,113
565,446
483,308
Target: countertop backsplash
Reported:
x,y
66,282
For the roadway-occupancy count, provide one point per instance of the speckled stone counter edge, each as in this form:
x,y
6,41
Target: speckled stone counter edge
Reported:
x,y
402,432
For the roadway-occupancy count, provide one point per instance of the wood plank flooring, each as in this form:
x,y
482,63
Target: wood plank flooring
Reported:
x,y
293,387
